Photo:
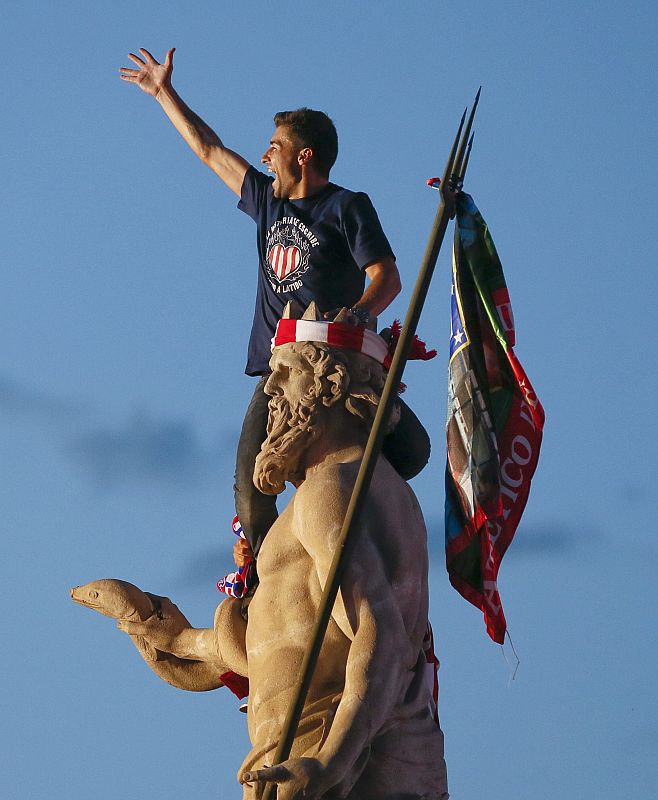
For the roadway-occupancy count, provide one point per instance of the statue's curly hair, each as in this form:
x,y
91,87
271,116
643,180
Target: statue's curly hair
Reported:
x,y
347,374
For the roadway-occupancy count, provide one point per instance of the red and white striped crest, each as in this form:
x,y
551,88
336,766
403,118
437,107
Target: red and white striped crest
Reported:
x,y
284,260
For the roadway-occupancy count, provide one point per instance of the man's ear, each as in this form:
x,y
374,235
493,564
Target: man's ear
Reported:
x,y
338,382
304,156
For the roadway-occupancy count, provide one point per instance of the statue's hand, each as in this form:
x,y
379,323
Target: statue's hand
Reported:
x,y
296,779
162,628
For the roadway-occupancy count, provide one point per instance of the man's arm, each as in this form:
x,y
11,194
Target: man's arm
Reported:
x,y
155,79
383,287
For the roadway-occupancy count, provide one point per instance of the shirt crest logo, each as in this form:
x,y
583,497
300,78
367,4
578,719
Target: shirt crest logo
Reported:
x,y
284,260
288,247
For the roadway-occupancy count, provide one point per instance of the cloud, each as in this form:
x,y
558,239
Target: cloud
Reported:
x,y
145,451
633,494
205,567
141,452
19,399
547,539
551,538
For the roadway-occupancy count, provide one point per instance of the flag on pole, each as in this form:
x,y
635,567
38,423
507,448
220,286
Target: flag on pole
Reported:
x,y
494,424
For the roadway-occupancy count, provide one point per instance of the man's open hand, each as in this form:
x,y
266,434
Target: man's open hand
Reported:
x,y
150,76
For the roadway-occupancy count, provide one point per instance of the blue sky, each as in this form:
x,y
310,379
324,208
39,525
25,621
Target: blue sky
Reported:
x,y
128,280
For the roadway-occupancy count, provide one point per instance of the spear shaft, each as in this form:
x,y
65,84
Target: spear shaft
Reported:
x,y
346,539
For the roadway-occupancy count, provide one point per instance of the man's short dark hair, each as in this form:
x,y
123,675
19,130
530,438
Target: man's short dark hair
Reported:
x,y
312,129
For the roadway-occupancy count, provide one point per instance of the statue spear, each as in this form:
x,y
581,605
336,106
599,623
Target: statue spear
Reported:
x,y
453,178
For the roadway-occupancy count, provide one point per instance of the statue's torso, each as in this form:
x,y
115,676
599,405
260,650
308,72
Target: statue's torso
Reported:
x,y
281,617
284,608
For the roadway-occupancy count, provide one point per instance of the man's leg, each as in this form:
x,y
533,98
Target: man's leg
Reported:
x,y
256,511
407,447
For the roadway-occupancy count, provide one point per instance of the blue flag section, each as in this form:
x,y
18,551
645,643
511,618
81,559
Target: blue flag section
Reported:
x,y
494,425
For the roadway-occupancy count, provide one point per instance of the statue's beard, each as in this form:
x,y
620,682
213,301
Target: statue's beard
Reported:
x,y
290,431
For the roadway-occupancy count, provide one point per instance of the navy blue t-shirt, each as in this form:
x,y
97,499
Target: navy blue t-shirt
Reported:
x,y
309,249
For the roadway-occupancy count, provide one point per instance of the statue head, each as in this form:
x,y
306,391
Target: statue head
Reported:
x,y
325,385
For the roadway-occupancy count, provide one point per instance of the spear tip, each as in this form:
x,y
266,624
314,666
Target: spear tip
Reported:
x,y
451,158
475,102
464,166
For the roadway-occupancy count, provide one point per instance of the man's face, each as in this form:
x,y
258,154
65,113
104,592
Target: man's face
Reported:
x,y
282,158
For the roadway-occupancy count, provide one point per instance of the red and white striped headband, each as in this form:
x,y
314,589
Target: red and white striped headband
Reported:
x,y
336,334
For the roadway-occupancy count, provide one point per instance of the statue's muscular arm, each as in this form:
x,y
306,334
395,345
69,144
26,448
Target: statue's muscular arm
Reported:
x,y
169,631
155,79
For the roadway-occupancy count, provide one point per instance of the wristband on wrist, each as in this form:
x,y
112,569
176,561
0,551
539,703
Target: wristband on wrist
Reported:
x,y
362,314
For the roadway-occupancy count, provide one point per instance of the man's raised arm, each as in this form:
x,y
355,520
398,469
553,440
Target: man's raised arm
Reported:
x,y
155,79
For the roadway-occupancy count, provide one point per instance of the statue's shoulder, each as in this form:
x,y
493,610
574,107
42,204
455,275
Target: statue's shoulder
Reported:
x,y
320,506
328,486
391,514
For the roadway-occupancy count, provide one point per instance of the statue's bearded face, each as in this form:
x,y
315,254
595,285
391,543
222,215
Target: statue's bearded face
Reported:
x,y
292,423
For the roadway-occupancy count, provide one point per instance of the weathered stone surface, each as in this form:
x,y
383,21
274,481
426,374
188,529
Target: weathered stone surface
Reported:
x,y
367,731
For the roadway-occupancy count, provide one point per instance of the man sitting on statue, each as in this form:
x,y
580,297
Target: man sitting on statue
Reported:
x,y
316,242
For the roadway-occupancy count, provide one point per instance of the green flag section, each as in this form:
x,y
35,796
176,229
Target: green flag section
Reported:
x,y
494,425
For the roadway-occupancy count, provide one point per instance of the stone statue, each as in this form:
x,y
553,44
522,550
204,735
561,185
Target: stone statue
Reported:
x,y
368,730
